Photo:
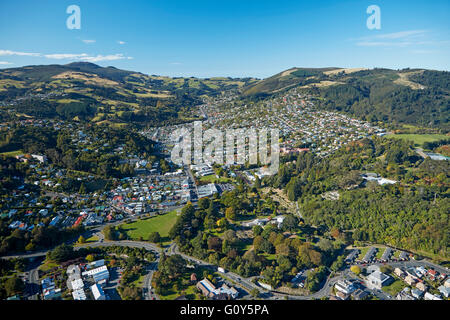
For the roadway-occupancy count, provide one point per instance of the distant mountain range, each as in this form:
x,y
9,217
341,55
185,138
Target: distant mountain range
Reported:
x,y
85,91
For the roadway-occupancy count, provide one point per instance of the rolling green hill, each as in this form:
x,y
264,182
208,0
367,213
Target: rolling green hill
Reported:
x,y
88,92
285,80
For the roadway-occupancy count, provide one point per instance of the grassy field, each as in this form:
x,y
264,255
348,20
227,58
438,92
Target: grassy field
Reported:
x,y
48,265
418,139
212,178
88,240
142,228
12,153
380,252
395,287
362,253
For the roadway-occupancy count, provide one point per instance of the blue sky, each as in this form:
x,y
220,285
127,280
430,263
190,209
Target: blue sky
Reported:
x,y
235,38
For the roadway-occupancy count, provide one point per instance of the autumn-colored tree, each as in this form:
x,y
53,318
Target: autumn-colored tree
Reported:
x,y
355,269
81,239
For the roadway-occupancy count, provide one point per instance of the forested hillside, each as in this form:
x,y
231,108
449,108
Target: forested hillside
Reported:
x,y
411,214
418,97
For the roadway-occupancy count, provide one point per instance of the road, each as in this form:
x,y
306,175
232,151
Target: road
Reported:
x,y
32,286
421,153
244,283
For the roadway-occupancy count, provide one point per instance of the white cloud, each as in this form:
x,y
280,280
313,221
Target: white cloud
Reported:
x,y
397,39
60,56
121,42
402,34
88,41
69,56
100,57
86,57
175,63
5,63
17,53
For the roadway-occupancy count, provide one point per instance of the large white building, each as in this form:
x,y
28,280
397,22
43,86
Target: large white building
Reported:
x,y
98,274
377,279
79,294
98,293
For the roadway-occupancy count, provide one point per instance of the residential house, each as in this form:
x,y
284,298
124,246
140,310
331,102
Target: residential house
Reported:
x,y
399,272
429,296
421,286
445,291
416,293
410,280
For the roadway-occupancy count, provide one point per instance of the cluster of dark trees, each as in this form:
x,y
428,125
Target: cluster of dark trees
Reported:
x,y
411,214
193,232
41,237
373,96
431,145
170,269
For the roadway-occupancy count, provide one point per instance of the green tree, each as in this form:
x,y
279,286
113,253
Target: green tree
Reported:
x,y
14,286
154,237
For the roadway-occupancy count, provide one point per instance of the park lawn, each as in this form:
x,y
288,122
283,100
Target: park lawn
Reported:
x,y
418,139
395,287
142,228
380,252
88,240
172,294
212,178
12,153
138,282
269,256
217,232
363,253
190,290
48,265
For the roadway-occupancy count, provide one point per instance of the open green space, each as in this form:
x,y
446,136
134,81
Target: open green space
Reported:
x,y
142,228
11,153
212,178
380,252
363,252
418,139
394,288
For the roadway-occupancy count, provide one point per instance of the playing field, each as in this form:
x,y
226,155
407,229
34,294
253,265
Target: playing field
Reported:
x,y
418,139
142,228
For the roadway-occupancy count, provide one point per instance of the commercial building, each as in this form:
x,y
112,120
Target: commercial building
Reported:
x,y
377,279
97,292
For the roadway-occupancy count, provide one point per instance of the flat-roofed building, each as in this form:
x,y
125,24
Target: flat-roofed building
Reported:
x,y
79,294
98,293
377,280
98,274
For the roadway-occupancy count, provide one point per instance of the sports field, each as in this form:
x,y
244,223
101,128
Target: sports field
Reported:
x,y
142,228
418,139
